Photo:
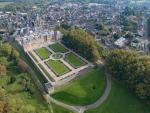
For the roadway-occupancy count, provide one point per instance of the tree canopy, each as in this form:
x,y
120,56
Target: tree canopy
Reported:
x,y
83,43
131,68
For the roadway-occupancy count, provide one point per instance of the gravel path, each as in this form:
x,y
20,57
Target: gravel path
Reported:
x,y
81,109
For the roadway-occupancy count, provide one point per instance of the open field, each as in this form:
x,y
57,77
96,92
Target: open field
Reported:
x,y
58,67
74,60
43,53
3,4
121,100
84,91
58,48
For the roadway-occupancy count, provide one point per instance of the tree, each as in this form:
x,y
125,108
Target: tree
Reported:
x,y
129,35
14,53
83,43
132,69
6,49
3,70
22,66
3,60
3,107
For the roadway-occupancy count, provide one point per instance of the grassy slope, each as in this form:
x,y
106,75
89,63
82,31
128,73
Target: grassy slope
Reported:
x,y
74,60
86,90
58,109
43,53
58,48
58,67
121,100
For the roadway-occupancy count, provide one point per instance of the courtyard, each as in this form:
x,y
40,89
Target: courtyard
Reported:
x,y
58,63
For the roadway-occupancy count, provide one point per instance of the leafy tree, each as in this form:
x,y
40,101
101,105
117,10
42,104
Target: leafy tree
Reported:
x,y
129,35
3,60
6,49
83,43
132,69
3,70
14,54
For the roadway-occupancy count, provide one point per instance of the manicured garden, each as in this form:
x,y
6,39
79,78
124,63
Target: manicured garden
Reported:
x,y
57,67
58,48
43,53
84,91
121,100
74,60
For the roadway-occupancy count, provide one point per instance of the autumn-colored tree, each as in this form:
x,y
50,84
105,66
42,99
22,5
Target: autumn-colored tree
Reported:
x,y
3,70
3,107
22,66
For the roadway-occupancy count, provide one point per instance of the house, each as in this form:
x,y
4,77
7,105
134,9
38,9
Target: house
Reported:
x,y
120,42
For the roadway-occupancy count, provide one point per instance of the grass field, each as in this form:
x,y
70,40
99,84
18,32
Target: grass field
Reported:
x,y
121,100
58,67
43,53
84,91
74,60
3,4
58,48
58,109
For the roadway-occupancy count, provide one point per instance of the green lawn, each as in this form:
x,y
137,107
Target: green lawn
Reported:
x,y
43,53
84,91
74,60
121,100
58,109
58,67
58,48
